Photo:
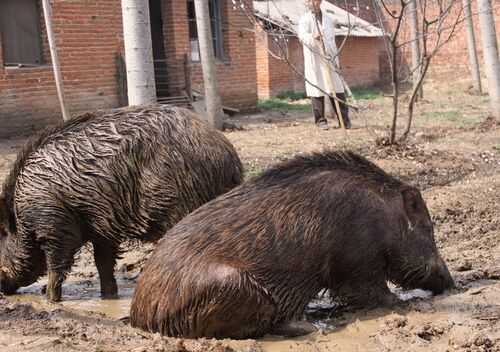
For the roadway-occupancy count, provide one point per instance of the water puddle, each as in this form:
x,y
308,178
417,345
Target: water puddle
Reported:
x,y
83,296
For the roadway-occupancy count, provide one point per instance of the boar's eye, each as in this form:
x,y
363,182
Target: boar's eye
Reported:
x,y
414,204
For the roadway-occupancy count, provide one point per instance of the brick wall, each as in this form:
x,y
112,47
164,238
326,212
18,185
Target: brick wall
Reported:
x,y
275,76
236,72
284,77
262,64
88,35
359,61
453,56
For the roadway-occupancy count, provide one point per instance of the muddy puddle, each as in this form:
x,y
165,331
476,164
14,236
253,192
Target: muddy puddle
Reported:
x,y
359,331
84,296
443,322
349,332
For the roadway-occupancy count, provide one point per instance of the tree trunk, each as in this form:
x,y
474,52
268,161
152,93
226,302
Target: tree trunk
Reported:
x,y
47,14
471,47
141,88
415,46
212,97
411,104
490,54
395,92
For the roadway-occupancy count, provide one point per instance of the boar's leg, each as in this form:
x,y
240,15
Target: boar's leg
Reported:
x,y
294,329
365,293
62,240
105,254
58,265
227,303
240,307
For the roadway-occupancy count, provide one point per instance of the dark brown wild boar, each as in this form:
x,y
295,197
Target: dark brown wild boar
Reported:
x,y
248,262
105,178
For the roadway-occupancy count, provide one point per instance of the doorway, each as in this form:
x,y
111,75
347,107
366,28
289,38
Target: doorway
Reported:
x,y
158,45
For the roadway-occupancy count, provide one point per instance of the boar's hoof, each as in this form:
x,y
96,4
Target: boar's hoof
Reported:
x,y
109,290
389,300
54,296
294,329
109,295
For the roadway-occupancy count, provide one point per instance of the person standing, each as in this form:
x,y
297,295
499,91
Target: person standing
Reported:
x,y
317,35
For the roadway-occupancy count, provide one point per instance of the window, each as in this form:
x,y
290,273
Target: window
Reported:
x,y
20,31
216,25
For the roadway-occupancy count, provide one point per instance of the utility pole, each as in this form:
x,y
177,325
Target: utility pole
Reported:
x,y
141,87
212,97
415,45
471,47
56,67
490,54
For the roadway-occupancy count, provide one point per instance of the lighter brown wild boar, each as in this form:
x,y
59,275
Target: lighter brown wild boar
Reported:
x,y
106,178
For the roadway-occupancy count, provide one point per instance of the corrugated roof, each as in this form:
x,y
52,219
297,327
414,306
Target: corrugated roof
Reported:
x,y
286,14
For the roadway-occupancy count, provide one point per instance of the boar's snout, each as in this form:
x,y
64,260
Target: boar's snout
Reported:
x,y
439,278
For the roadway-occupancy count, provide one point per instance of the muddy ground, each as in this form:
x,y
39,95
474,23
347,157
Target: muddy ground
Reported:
x,y
453,155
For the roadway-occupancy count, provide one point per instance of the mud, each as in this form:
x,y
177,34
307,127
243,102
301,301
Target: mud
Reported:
x,y
455,162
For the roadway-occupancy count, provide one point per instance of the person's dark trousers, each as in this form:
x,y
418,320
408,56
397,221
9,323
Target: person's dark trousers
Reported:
x,y
318,105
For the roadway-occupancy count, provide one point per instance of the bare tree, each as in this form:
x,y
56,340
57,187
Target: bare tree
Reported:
x,y
393,50
471,47
490,54
138,52
438,27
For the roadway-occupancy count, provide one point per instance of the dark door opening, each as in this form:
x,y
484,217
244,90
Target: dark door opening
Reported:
x,y
158,44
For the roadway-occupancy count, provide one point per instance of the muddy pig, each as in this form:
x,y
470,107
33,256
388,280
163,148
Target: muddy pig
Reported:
x,y
248,262
105,178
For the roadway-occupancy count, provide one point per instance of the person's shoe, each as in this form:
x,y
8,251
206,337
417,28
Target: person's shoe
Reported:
x,y
323,125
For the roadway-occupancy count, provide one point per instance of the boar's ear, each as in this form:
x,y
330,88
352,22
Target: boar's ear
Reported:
x,y
413,203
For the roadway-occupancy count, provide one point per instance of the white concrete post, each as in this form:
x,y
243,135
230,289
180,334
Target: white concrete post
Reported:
x,y
141,88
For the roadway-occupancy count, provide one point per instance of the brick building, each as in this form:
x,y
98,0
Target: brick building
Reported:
x,y
452,57
89,37
360,57
359,52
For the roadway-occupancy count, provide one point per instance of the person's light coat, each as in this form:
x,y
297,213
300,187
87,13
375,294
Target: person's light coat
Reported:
x,y
318,70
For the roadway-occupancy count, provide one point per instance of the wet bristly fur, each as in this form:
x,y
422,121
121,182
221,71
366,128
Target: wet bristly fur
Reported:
x,y
250,260
105,178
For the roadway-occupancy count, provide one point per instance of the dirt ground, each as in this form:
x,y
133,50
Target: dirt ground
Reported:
x,y
453,156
